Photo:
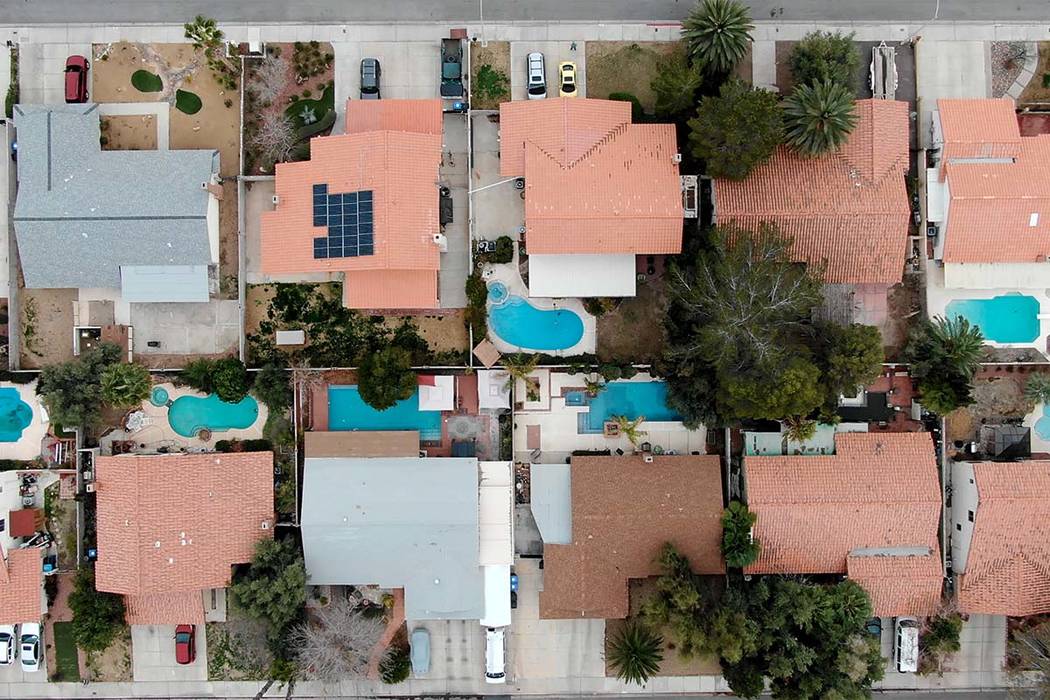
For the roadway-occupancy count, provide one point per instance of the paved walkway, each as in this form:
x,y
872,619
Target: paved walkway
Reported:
x,y
397,618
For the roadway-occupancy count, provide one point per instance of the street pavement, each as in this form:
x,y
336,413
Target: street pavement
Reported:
x,y
336,11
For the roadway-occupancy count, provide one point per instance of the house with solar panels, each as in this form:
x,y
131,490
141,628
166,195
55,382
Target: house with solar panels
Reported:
x,y
365,208
120,226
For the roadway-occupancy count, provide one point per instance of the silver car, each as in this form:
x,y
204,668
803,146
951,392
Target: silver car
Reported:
x,y
420,651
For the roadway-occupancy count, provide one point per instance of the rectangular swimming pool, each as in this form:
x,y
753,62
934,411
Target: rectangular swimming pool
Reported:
x,y
1009,318
630,399
348,411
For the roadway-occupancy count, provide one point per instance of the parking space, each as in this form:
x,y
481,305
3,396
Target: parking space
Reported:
x,y
499,210
41,68
15,674
457,649
455,262
956,69
153,655
554,52
408,70
978,664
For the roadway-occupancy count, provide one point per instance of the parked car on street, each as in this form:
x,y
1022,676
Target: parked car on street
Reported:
x,y
874,627
185,644
567,79
494,655
370,72
76,79
419,643
537,76
8,645
30,646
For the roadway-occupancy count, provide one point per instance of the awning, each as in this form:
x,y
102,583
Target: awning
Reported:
x,y
164,283
497,596
582,275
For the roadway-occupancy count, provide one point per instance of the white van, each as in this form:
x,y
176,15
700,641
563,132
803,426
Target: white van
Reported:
x,y
537,75
494,653
906,644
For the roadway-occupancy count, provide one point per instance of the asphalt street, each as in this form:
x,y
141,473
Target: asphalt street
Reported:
x,y
349,11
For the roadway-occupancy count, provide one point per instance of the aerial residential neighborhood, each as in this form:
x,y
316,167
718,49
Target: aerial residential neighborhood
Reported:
x,y
680,347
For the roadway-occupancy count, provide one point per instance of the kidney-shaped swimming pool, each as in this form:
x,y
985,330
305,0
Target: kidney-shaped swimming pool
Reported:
x,y
519,323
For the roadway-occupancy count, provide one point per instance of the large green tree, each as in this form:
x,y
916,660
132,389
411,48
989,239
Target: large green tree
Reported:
x,y
273,588
736,130
718,33
850,357
98,617
72,391
772,392
739,548
945,354
825,56
675,86
125,384
819,118
386,377
273,387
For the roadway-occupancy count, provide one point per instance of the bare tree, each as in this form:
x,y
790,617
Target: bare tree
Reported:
x,y
338,644
1030,650
274,137
270,79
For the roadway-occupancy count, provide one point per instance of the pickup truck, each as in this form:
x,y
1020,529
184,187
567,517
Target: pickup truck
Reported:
x,y
451,69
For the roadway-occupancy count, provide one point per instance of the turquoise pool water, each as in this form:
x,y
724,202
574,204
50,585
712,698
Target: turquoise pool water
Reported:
x,y
188,415
1010,318
348,411
1042,426
15,415
159,396
522,325
630,399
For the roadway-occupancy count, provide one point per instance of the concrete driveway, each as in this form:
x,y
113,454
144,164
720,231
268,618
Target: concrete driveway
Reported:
x,y
979,663
41,68
957,69
409,70
153,655
457,650
554,52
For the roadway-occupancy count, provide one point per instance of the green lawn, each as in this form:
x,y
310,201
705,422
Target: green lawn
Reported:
x,y
187,102
144,81
319,108
65,653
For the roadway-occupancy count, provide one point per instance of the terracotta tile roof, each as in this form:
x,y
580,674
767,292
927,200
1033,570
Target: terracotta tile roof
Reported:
x,y
414,116
594,182
979,128
878,494
623,511
899,585
186,608
178,523
847,210
21,586
401,171
1008,567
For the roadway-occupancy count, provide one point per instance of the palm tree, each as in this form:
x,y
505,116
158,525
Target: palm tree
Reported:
x,y
675,86
718,33
957,343
1037,389
629,428
594,386
635,653
125,384
203,32
819,118
799,428
520,366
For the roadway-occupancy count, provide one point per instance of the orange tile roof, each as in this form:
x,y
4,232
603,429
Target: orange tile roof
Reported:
x,y
623,511
401,170
992,203
594,182
1008,567
21,586
878,494
412,116
909,584
847,210
184,608
178,523
391,289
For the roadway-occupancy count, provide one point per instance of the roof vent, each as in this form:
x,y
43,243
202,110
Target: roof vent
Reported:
x,y
204,185
1033,219
265,525
276,200
676,158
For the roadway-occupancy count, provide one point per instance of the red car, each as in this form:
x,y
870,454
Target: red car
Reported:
x,y
76,79
185,644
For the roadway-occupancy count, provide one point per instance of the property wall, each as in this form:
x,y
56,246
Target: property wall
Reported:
x,y
997,276
964,513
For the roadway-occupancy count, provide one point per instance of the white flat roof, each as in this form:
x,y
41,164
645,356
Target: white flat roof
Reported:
x,y
495,514
439,396
582,275
493,388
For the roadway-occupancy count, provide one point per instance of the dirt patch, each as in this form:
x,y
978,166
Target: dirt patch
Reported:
x,y
228,241
633,332
625,66
257,299
112,665
62,524
1036,91
496,55
443,333
181,67
237,649
47,326
129,133
904,310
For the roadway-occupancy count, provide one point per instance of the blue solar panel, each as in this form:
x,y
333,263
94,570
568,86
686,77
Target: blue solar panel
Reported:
x,y
349,219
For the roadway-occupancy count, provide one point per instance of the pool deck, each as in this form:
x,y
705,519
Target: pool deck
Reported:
x,y
28,446
159,432
558,428
1040,445
508,275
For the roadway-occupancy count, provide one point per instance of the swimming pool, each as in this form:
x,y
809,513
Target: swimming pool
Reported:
x,y
15,415
1010,318
188,415
630,399
1042,426
348,411
519,323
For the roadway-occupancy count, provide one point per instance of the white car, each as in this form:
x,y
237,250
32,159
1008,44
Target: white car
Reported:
x,y
8,645
537,76
494,655
30,646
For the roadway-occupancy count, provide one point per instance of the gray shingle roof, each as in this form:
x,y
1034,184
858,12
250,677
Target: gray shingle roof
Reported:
x,y
83,212
407,523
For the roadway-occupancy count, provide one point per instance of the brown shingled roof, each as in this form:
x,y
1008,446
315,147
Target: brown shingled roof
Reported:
x,y
847,211
623,511
1008,567
873,508
176,524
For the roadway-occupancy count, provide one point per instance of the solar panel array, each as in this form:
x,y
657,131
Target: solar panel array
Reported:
x,y
348,216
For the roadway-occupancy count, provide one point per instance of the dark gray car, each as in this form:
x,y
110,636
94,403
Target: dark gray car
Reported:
x,y
420,651
370,72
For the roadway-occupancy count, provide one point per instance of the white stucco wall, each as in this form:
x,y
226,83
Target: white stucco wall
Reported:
x,y
964,513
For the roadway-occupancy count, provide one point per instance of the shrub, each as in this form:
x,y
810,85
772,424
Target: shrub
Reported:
x,y
738,547
386,377
273,387
396,665
637,112
491,85
504,250
273,588
285,498
225,377
125,384
737,130
825,56
610,373
476,313
97,617
1037,388
635,653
